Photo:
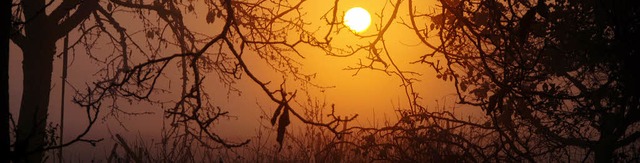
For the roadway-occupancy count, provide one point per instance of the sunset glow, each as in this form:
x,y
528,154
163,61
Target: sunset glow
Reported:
x,y
308,81
357,19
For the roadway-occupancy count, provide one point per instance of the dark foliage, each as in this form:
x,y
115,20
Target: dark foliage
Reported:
x,y
552,75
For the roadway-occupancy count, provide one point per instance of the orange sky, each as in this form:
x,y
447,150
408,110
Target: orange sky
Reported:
x,y
367,93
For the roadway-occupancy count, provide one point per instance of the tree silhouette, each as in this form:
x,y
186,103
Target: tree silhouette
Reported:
x,y
4,81
36,33
246,26
557,78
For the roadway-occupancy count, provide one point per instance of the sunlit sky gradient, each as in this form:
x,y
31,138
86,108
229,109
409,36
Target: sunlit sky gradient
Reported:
x,y
368,93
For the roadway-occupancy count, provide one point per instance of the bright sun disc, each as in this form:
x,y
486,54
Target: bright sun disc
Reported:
x,y
357,19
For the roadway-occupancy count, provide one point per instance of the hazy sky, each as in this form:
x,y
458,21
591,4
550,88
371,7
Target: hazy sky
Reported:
x,y
367,93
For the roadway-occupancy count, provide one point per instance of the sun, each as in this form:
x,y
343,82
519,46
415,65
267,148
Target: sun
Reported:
x,y
357,19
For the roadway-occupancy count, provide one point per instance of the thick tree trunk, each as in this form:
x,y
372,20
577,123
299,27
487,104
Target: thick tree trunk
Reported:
x,y
604,154
37,67
4,81
605,146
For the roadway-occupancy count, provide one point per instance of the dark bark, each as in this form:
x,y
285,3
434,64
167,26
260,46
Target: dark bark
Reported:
x,y
37,65
4,80
605,146
38,46
604,153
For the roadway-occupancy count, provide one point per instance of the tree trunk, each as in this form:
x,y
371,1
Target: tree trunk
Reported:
x,y
604,154
606,143
4,80
37,67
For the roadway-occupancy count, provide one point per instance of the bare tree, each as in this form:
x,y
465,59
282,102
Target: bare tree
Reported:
x,y
38,45
259,27
419,134
555,79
